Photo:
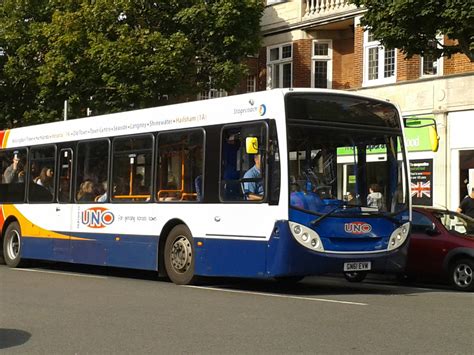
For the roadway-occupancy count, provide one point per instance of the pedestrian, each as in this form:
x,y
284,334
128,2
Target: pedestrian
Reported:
x,y
467,205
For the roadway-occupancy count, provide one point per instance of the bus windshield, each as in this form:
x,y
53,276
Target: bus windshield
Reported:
x,y
356,167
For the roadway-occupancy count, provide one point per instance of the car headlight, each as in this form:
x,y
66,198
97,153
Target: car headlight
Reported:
x,y
306,236
398,236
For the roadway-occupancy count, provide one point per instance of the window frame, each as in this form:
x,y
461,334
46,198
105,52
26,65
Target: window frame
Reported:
x,y
29,178
57,175
439,61
280,62
157,165
25,187
421,228
265,176
76,170
111,171
251,83
322,58
381,80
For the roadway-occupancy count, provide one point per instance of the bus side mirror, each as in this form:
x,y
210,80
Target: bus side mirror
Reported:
x,y
424,122
251,145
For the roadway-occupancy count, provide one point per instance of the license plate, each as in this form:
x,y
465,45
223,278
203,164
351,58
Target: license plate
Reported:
x,y
357,266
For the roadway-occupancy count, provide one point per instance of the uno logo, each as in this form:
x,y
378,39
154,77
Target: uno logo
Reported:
x,y
262,110
97,217
357,228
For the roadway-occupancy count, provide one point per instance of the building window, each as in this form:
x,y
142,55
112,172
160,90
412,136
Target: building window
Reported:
x,y
322,64
211,94
251,83
379,62
429,64
279,66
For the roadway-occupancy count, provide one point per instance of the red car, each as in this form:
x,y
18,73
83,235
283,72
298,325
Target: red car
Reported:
x,y
442,246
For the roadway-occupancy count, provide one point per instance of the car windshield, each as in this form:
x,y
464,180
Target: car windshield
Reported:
x,y
456,222
360,170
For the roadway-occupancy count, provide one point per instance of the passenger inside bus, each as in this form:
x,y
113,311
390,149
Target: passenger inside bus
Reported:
x,y
375,197
14,173
46,179
103,197
86,191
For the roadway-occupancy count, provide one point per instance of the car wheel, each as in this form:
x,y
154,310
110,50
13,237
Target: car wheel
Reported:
x,y
461,274
179,256
12,245
355,276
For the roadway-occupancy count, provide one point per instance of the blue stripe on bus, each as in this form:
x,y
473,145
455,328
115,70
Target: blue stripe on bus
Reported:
x,y
130,251
229,257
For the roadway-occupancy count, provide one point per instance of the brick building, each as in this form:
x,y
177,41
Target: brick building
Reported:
x,y
320,44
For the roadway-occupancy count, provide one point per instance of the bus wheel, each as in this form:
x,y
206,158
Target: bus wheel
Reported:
x,y
12,245
179,255
356,276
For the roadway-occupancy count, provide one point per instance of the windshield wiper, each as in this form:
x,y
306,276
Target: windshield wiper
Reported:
x,y
346,206
327,214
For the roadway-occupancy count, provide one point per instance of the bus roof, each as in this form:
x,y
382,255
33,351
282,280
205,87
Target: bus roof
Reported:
x,y
236,108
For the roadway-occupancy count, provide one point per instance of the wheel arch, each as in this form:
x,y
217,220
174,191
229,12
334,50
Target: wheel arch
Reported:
x,y
456,254
165,231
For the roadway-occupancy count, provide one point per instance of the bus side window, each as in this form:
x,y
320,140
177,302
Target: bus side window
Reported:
x,y
41,184
92,169
12,175
180,166
132,169
242,175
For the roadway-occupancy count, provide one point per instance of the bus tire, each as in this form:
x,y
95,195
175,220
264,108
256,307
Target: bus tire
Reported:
x,y
179,255
12,245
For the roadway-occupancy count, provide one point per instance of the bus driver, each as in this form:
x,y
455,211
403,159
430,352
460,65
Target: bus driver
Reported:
x,y
254,189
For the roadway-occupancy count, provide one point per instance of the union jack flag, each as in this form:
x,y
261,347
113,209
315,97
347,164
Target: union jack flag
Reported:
x,y
421,188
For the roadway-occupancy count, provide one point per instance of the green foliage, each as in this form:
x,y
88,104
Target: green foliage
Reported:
x,y
115,55
412,26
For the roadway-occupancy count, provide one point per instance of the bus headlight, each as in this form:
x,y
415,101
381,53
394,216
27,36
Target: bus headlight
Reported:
x,y
398,236
306,236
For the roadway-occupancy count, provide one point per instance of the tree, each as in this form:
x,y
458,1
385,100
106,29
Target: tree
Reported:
x,y
118,55
413,26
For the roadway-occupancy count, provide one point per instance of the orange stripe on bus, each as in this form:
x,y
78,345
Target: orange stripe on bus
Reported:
x,y
31,230
4,136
